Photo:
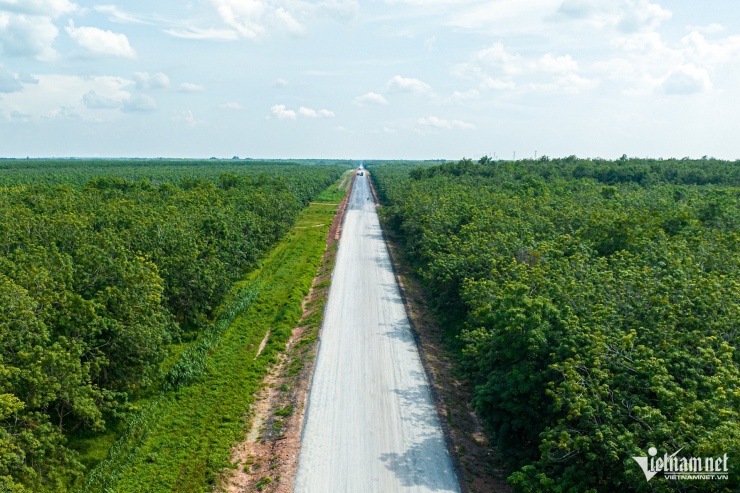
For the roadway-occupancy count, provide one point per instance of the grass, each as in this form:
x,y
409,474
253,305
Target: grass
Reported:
x,y
264,481
285,411
182,438
335,193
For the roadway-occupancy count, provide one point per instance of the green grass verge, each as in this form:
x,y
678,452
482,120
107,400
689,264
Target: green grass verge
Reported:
x,y
335,193
181,439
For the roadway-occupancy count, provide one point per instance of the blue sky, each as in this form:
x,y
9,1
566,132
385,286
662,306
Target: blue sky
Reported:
x,y
378,79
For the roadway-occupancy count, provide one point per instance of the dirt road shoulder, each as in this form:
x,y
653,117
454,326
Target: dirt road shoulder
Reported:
x,y
267,459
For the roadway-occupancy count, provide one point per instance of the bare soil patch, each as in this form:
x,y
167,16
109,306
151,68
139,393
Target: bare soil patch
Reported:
x,y
267,459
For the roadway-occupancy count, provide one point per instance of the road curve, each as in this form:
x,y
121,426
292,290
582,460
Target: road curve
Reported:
x,y
370,425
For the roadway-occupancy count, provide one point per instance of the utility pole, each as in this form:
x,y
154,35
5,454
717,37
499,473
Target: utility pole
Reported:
x,y
514,155
535,155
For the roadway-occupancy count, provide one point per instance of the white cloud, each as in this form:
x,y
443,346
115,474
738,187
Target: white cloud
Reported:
x,y
282,113
27,36
231,105
140,104
503,14
45,8
710,29
497,68
696,48
118,99
49,94
65,113
642,14
243,16
651,53
93,100
146,81
340,10
288,22
577,9
281,83
101,42
499,85
187,118
642,43
563,73
117,15
465,96
190,87
433,121
495,59
371,98
408,84
645,62
430,3
255,19
462,124
571,83
686,79
312,113
557,64
625,15
196,33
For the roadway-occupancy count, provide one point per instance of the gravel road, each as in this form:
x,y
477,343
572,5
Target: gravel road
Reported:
x,y
371,425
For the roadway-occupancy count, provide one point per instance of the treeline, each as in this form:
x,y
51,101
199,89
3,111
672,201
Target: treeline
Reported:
x,y
643,172
96,281
80,171
595,306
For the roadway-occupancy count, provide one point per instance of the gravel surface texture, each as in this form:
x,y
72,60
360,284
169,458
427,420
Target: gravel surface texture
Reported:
x,y
371,425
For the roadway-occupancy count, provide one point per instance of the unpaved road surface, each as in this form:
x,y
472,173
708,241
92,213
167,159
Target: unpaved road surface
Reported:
x,y
371,425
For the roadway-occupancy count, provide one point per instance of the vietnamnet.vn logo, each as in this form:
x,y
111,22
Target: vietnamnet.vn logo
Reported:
x,y
673,467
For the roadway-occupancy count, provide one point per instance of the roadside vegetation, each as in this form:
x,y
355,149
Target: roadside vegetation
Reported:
x,y
124,330
593,304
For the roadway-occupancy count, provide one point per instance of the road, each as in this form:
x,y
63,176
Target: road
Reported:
x,y
371,425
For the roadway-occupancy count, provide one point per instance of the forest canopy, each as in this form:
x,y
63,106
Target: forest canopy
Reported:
x,y
99,276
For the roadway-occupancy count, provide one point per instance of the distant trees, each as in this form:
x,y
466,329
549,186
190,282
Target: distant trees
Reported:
x,y
595,305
